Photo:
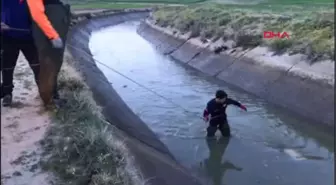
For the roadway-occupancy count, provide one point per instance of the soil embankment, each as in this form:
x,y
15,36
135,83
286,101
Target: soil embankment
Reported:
x,y
288,81
151,156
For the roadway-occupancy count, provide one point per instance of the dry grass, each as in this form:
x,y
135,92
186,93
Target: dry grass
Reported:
x,y
80,148
311,28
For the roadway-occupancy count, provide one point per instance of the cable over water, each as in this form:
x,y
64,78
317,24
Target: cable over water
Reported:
x,y
139,84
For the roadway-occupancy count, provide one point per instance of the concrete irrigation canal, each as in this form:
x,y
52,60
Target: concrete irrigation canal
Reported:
x,y
269,145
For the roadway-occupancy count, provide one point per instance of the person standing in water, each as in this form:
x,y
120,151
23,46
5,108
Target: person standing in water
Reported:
x,y
216,109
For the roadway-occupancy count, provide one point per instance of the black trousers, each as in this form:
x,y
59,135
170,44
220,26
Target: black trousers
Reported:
x,y
220,124
11,48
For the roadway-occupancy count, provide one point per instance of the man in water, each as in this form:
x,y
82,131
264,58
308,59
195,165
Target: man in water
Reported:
x,y
16,36
216,108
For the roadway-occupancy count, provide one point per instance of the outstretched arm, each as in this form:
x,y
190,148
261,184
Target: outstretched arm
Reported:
x,y
37,12
236,103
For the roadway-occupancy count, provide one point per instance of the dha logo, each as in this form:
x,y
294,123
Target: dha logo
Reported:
x,y
271,35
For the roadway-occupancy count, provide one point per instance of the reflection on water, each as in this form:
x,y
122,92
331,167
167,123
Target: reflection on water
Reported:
x,y
269,145
213,165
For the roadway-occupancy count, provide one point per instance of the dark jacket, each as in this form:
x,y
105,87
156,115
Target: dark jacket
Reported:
x,y
15,14
217,109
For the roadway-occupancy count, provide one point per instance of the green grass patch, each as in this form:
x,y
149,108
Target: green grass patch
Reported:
x,y
121,4
277,2
311,27
302,2
158,1
80,148
99,5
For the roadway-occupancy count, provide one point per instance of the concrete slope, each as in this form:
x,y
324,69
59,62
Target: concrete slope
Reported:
x,y
294,87
155,161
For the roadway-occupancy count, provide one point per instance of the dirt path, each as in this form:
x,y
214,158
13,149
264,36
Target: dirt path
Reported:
x,y
22,127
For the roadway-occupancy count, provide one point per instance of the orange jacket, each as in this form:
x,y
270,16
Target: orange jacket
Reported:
x,y
37,12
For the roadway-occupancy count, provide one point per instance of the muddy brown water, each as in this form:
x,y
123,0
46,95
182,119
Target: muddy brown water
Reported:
x,y
269,145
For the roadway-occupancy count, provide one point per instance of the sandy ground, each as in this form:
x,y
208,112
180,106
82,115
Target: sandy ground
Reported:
x,y
22,127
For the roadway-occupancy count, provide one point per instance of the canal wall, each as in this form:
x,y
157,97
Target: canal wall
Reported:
x,y
293,84
151,156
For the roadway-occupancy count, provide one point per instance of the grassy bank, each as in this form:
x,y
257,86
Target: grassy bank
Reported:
x,y
125,3
309,24
121,4
102,5
80,148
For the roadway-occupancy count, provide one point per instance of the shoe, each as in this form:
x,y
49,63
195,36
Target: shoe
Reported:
x,y
7,100
59,102
51,107
55,105
56,96
1,90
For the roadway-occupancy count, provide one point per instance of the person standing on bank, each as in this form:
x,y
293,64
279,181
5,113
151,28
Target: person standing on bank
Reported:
x,y
50,27
16,36
216,108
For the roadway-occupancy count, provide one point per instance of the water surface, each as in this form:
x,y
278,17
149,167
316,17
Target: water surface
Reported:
x,y
269,146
